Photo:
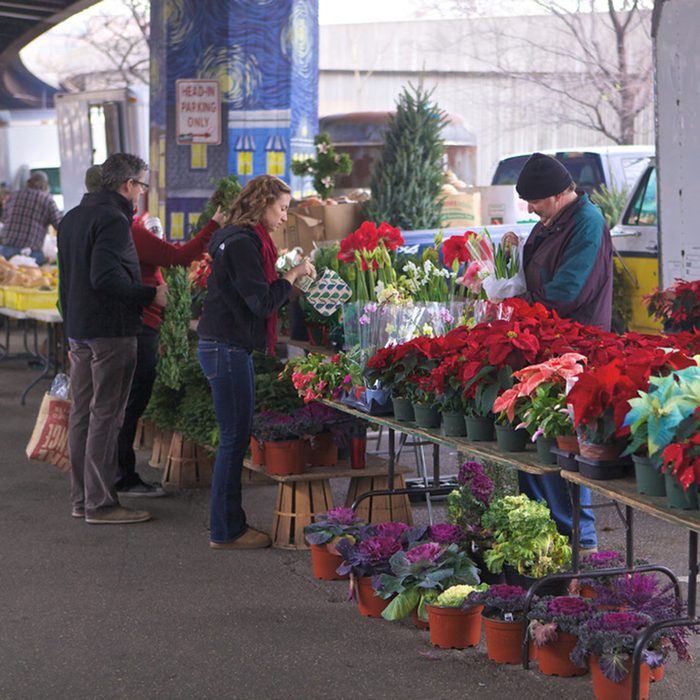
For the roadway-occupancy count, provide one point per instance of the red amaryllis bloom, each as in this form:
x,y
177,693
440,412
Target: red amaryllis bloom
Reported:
x,y
455,248
390,236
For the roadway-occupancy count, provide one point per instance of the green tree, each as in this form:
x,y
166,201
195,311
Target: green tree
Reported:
x,y
407,179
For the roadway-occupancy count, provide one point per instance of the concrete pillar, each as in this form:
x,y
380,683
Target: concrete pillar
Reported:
x,y
262,55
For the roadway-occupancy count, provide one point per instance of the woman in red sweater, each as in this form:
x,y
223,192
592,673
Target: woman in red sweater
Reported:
x,y
153,253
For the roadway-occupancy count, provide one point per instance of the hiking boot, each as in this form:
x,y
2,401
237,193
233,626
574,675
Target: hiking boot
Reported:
x,y
117,516
250,539
141,489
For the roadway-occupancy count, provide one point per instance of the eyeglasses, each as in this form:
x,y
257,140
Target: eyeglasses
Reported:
x,y
144,185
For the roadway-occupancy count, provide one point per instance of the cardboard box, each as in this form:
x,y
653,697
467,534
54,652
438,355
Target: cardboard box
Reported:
x,y
309,225
303,231
462,209
500,204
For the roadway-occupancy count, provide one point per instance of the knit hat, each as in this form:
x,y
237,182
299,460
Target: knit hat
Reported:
x,y
93,178
542,176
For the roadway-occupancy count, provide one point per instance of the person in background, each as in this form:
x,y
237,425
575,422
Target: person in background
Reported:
x,y
239,316
26,216
153,254
568,266
102,299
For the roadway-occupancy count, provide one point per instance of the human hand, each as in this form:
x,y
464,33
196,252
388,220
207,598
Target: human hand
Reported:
x,y
510,240
218,216
161,298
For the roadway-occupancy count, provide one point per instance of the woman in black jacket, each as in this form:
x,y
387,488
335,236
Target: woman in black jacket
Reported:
x,y
244,293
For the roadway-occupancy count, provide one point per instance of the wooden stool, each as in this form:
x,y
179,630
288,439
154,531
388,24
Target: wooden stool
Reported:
x,y
188,464
379,509
161,447
145,435
297,503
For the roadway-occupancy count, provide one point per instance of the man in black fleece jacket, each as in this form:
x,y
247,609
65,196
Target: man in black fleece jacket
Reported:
x,y
102,300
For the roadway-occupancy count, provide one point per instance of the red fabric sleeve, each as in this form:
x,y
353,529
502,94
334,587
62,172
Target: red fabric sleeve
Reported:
x,y
152,251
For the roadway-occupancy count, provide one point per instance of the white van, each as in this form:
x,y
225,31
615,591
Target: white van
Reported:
x,y
616,167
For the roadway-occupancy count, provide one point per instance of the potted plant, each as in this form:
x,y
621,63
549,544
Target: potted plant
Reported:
x,y
510,408
681,464
554,623
595,561
453,622
283,439
466,506
317,376
423,570
525,541
608,640
365,560
677,307
504,620
323,534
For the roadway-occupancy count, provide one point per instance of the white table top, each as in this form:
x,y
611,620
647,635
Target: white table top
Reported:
x,y
44,315
13,313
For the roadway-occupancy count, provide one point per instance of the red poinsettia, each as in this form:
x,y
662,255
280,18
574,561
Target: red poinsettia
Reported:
x,y
678,305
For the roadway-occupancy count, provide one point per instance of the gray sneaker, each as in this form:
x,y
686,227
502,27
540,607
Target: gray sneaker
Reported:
x,y
117,516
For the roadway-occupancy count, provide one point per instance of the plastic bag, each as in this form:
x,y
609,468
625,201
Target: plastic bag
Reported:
x,y
501,288
50,248
60,387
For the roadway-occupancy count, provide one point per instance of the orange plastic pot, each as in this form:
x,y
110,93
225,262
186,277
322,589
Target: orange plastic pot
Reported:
x,y
417,622
285,457
605,689
503,640
368,603
454,628
257,452
568,443
554,660
657,673
325,563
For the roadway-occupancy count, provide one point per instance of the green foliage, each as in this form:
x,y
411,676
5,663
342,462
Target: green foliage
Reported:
x,y
623,289
407,179
175,349
162,408
325,166
525,536
226,190
195,416
272,391
611,202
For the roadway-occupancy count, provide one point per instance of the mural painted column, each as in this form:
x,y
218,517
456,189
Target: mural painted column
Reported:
x,y
264,56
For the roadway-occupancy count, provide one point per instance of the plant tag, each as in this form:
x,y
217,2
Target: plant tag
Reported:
x,y
508,617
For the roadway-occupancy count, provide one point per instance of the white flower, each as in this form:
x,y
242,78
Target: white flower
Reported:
x,y
427,330
322,147
327,181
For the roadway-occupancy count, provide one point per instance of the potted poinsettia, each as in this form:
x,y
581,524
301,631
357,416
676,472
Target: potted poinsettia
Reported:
x,y
322,535
554,624
677,307
503,617
423,571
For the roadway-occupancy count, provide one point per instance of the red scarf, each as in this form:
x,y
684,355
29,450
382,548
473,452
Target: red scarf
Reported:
x,y
269,258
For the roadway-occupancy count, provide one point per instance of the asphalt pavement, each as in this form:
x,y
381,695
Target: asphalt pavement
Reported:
x,y
148,611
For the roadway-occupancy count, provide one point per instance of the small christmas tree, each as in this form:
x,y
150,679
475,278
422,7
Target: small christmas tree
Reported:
x,y
325,166
407,178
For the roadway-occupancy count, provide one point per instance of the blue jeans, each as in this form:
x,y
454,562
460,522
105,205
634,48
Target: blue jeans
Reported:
x,y
554,491
229,371
7,251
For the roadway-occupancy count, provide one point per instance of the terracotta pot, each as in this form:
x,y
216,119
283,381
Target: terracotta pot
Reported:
x,y
323,452
605,689
417,622
454,628
553,658
503,640
257,452
368,603
324,563
604,451
657,674
568,443
588,592
285,457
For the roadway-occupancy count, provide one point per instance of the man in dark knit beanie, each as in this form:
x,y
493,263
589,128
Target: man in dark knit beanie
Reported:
x,y
567,261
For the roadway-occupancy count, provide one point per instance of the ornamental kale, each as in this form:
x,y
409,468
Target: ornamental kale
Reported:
x,y
420,574
455,596
525,536
445,533
501,601
392,529
612,637
369,557
337,522
552,615
467,504
472,474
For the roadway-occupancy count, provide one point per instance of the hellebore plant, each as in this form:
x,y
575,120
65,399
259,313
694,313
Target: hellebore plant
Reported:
x,y
337,522
612,636
552,615
422,572
524,536
501,602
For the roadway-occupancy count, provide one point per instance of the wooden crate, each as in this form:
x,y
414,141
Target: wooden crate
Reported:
x,y
145,435
296,505
379,509
187,464
161,447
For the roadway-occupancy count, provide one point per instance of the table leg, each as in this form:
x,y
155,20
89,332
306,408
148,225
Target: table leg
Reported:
x,y
575,525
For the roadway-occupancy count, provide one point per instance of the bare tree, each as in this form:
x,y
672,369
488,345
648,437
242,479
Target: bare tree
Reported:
x,y
593,59
121,42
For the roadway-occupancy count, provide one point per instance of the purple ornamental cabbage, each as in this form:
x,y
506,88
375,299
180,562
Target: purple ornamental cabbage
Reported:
x,y
446,533
472,474
392,529
428,553
378,549
342,516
